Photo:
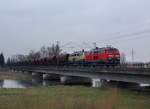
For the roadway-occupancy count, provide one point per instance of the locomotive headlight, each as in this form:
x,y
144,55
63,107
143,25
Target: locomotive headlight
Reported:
x,y
110,55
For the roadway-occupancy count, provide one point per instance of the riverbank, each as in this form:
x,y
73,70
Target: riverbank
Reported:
x,y
76,97
6,74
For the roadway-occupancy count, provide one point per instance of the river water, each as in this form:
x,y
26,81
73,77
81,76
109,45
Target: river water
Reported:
x,y
26,83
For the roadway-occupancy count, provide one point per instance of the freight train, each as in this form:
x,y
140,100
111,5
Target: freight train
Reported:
x,y
106,56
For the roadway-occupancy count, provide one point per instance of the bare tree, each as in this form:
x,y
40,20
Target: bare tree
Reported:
x,y
50,50
55,49
33,55
21,58
44,52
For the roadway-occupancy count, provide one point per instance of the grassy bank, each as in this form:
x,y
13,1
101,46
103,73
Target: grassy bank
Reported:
x,y
65,97
14,75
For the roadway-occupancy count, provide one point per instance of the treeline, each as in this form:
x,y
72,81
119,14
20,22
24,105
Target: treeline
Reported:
x,y
2,60
45,51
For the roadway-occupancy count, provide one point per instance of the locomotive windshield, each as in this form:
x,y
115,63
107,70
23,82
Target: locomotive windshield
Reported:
x,y
111,50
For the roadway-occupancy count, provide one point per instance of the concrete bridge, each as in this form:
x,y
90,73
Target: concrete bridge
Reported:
x,y
97,75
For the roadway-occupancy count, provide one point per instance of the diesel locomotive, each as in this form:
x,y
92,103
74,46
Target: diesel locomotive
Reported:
x,y
97,56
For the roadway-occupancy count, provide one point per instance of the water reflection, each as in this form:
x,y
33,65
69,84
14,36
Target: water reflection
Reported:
x,y
12,84
144,85
25,83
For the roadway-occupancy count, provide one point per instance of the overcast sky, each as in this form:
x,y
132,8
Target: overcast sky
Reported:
x,y
29,24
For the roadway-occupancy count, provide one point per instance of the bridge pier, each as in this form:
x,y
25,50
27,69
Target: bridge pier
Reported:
x,y
37,82
96,82
63,79
73,80
37,78
51,77
14,71
37,75
44,83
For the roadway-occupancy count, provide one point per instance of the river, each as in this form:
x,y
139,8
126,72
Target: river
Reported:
x,y
26,83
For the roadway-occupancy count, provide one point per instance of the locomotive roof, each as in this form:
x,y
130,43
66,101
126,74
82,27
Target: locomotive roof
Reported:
x,y
93,50
103,48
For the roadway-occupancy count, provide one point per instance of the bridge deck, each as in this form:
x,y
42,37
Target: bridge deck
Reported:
x,y
82,69
135,75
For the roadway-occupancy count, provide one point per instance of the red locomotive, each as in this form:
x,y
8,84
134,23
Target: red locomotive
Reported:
x,y
105,55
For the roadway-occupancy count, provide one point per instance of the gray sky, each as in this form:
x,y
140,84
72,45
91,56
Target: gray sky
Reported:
x,y
29,24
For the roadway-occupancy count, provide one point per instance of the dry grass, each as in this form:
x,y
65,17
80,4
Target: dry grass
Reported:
x,y
63,97
14,75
